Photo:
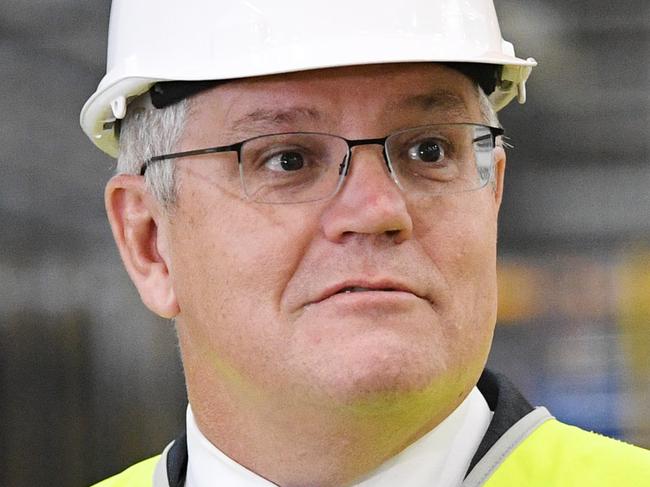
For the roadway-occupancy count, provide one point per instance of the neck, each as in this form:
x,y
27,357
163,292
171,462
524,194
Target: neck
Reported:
x,y
296,442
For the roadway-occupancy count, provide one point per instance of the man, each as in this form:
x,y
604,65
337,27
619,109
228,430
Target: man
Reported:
x,y
312,196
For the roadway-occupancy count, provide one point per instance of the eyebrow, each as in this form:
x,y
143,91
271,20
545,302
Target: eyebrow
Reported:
x,y
264,118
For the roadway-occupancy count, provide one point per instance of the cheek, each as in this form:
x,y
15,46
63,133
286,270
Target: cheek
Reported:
x,y
459,235
460,241
231,264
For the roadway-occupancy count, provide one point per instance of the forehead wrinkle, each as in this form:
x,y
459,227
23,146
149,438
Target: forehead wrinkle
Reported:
x,y
441,101
264,119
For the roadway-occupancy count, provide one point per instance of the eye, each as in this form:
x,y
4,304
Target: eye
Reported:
x,y
286,161
429,150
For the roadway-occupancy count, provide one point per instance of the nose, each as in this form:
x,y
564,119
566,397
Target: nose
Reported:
x,y
369,202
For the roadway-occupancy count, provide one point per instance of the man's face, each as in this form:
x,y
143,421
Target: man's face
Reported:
x,y
259,286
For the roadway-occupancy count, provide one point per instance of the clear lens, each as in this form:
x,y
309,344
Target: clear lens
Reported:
x,y
442,159
292,168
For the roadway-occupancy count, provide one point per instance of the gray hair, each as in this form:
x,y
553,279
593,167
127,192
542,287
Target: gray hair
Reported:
x,y
147,131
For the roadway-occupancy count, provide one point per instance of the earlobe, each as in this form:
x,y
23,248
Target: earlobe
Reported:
x,y
137,223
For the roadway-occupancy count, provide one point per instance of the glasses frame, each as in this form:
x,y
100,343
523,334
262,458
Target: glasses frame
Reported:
x,y
345,166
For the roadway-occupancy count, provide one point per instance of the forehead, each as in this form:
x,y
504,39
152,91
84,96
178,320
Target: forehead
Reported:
x,y
394,94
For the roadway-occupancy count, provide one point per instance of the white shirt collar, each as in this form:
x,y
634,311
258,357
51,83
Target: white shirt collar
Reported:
x,y
441,457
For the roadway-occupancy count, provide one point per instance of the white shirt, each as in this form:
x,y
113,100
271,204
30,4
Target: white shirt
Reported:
x,y
440,458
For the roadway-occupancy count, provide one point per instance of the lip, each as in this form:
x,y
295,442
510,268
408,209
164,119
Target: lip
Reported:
x,y
380,285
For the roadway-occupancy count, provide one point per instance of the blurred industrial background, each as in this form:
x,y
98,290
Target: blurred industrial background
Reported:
x,y
90,381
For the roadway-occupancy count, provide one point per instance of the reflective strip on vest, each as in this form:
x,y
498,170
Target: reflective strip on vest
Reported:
x,y
556,454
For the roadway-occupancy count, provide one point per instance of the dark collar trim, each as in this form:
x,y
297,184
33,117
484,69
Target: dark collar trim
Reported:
x,y
177,462
508,405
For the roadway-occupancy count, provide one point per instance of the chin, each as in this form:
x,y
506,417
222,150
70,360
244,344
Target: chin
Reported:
x,y
353,361
381,370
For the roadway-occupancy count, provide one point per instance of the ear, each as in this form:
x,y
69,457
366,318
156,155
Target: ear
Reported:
x,y
499,174
138,225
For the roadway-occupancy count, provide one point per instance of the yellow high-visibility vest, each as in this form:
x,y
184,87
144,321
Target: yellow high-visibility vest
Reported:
x,y
558,455
139,475
552,455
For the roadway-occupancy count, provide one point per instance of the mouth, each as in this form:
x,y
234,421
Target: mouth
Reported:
x,y
348,288
360,289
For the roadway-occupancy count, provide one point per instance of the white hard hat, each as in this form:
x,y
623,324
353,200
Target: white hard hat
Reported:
x,y
171,40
